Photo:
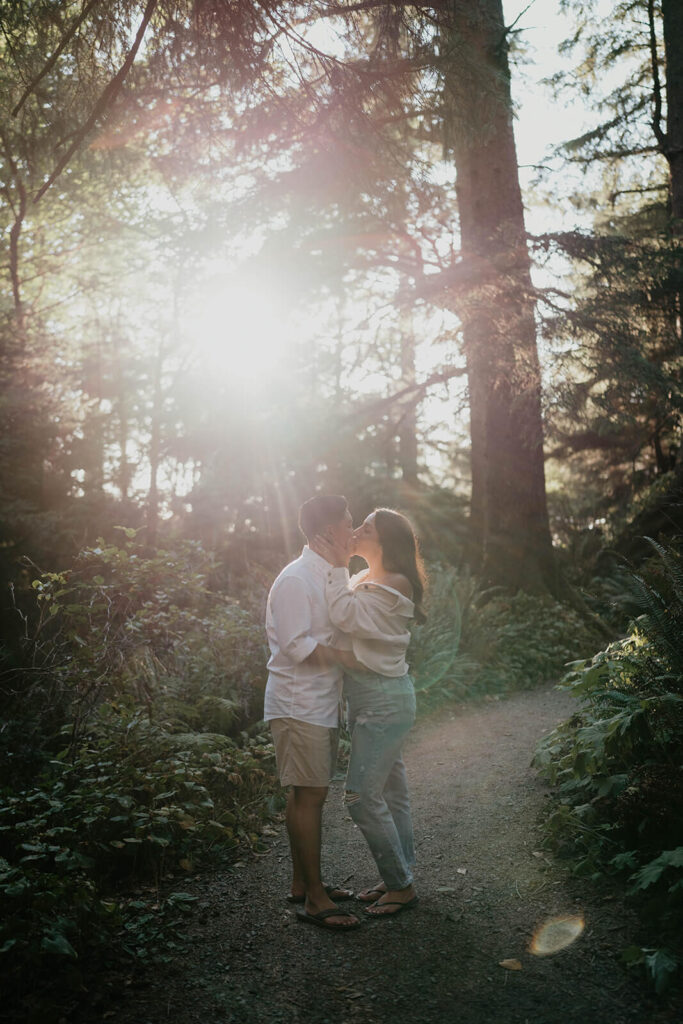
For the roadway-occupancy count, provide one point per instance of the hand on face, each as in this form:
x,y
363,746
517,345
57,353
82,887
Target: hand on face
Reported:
x,y
334,544
334,551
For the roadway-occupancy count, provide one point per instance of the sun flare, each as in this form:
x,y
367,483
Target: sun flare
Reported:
x,y
239,330
556,934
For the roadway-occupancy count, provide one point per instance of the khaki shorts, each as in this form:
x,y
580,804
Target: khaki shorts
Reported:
x,y
306,754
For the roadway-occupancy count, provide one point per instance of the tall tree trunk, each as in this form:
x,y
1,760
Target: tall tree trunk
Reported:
x,y
672,17
123,476
407,429
93,455
155,447
509,510
18,204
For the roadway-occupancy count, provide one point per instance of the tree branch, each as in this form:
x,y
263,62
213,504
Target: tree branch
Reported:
x,y
105,101
414,391
48,66
509,28
589,440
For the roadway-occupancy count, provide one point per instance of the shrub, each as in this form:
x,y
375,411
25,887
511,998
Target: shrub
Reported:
x,y
479,641
143,690
616,763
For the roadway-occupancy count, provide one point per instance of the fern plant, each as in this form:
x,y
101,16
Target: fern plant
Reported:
x,y
662,619
617,762
435,655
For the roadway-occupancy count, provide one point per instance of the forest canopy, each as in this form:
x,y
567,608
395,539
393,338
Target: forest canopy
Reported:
x,y
255,250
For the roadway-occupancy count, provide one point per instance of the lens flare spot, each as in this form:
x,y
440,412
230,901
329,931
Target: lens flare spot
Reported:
x,y
555,934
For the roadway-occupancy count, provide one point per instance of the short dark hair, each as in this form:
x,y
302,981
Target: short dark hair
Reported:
x,y
321,511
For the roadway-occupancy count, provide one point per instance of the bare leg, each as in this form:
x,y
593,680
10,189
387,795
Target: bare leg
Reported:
x,y
304,826
298,885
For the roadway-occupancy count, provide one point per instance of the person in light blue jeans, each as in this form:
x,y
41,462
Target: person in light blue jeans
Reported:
x,y
374,609
381,711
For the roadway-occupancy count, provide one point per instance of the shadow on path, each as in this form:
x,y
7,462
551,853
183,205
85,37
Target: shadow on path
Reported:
x,y
484,883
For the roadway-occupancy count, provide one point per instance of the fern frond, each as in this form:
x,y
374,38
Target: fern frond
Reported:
x,y
673,563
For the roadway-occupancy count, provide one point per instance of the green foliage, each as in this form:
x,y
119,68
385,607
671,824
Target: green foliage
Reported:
x,y
145,697
659,964
617,762
436,661
122,623
615,398
524,640
479,641
121,810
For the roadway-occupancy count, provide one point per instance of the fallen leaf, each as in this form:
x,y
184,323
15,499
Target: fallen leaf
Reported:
x,y
510,965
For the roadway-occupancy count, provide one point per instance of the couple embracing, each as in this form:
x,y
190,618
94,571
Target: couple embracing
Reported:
x,y
331,638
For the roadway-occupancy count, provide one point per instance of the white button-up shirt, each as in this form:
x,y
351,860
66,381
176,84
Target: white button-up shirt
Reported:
x,y
297,620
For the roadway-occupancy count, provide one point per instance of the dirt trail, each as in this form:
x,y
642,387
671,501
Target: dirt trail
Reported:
x,y
476,803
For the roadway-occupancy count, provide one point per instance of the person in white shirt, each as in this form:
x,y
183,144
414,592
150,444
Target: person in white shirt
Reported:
x,y
302,700
375,608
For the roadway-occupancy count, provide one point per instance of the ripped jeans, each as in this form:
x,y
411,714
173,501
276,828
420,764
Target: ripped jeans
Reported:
x,y
381,712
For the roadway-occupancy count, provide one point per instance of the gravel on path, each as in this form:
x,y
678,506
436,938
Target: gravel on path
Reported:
x,y
485,885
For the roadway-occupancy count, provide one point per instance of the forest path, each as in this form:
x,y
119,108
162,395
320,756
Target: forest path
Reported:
x,y
476,803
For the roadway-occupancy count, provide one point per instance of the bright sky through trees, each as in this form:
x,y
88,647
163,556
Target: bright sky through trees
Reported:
x,y
240,329
541,122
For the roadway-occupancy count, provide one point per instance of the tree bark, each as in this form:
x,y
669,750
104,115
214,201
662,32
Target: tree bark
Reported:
x,y
509,512
155,447
407,429
672,18
123,475
18,205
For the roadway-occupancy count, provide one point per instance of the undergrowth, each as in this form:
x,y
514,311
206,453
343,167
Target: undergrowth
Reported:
x,y
617,765
133,753
481,641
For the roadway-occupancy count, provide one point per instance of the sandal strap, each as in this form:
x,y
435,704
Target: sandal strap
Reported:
x,y
332,912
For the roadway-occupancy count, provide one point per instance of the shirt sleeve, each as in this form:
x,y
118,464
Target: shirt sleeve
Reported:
x,y
290,611
361,612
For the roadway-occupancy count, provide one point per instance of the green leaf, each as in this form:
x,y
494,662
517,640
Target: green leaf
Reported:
x,y
661,965
653,871
180,899
56,942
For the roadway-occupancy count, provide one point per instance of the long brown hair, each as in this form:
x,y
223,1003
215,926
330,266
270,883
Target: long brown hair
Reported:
x,y
400,553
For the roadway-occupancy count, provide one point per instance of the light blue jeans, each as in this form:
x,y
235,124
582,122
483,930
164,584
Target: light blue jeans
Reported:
x,y
381,711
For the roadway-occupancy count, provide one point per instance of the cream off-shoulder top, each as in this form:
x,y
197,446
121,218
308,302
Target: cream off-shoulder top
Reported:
x,y
374,616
